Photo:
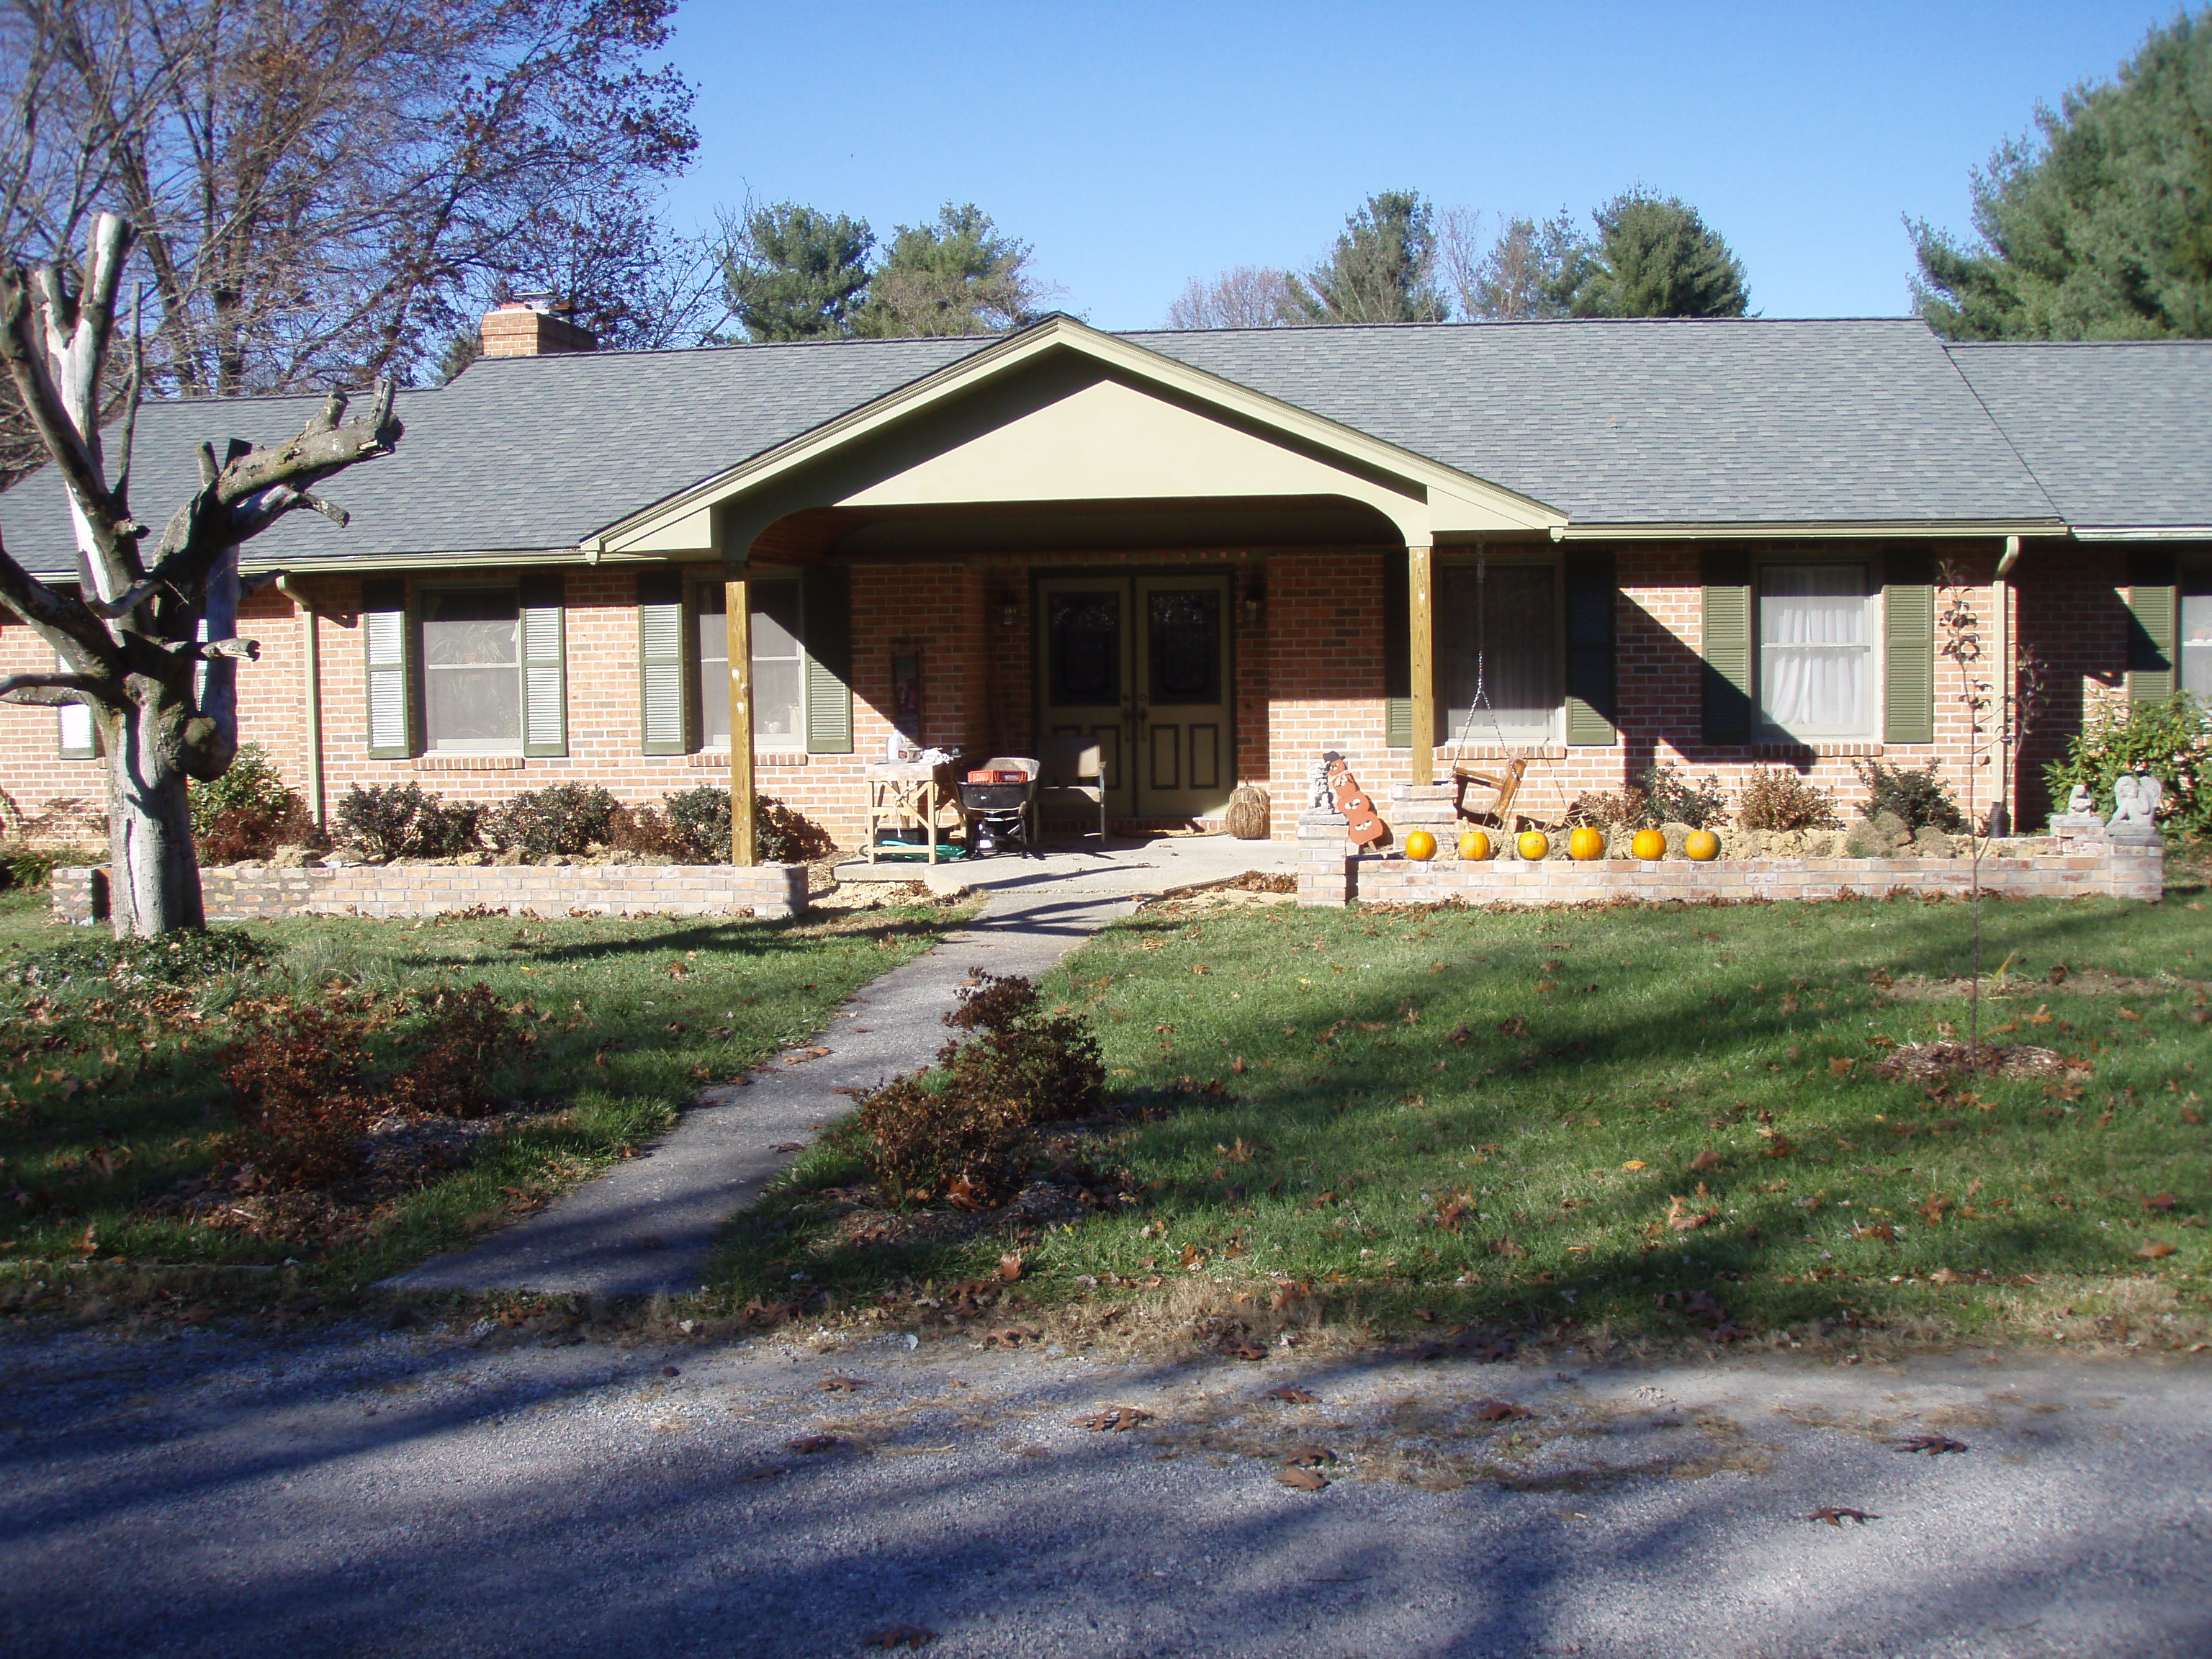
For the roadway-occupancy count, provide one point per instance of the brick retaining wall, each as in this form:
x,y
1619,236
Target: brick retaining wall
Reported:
x,y
244,892
1328,877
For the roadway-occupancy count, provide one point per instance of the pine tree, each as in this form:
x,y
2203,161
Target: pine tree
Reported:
x,y
2099,226
1656,257
793,273
1382,269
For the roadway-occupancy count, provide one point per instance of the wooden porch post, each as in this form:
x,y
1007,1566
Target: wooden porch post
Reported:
x,y
1420,614
736,597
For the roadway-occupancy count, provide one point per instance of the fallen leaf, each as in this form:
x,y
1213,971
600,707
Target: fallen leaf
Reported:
x,y
1303,1480
2160,1202
1836,1517
1114,1420
1708,1159
1505,1246
1514,1027
1500,1411
1012,1336
1681,1219
1945,1276
1841,1066
1291,1396
1933,1444
1932,1210
1308,1457
1010,1265
841,1384
1635,1163
1880,1230
1246,1351
2154,1250
813,1442
899,1636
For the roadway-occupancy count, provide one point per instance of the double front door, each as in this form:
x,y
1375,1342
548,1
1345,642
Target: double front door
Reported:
x,y
1141,664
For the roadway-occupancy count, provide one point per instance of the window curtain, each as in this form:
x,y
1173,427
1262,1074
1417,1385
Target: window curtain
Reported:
x,y
1813,647
1503,625
2197,633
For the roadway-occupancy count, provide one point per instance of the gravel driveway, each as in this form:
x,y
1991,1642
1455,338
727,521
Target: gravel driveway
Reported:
x,y
418,1492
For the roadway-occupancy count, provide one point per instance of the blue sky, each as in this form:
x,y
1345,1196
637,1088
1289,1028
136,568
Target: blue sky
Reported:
x,y
1137,145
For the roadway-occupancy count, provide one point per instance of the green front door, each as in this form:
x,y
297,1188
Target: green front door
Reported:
x,y
1140,664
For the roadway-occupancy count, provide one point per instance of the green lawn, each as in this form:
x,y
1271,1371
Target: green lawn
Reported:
x,y
1496,1117
108,1100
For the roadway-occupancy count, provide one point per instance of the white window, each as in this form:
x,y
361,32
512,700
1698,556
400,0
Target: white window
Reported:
x,y
779,666
2195,663
1815,670
473,669
1499,625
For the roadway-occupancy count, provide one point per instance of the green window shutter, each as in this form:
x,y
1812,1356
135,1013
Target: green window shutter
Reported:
x,y
1908,648
825,609
544,667
1397,652
2153,607
1590,673
663,702
389,683
1727,676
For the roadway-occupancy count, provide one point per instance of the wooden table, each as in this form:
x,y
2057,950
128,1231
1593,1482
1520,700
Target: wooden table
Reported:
x,y
908,795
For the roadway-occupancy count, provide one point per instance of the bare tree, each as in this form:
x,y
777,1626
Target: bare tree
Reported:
x,y
129,637
1247,296
324,189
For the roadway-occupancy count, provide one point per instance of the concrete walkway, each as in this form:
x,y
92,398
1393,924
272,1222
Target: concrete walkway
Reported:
x,y
649,1224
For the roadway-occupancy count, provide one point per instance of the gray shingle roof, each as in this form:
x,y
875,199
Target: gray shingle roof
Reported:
x,y
1658,421
521,454
2119,433
1616,422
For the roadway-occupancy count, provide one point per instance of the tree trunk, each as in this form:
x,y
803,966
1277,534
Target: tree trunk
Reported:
x,y
154,884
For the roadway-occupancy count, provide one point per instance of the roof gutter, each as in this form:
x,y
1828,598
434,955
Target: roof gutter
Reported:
x,y
2149,533
1836,530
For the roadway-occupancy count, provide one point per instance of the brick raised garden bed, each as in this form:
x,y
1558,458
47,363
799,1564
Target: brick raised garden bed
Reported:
x,y
245,892
1330,874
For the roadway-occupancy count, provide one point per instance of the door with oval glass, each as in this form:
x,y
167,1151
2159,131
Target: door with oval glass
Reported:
x,y
1141,665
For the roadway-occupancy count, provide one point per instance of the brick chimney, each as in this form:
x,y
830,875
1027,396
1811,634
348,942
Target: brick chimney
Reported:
x,y
531,327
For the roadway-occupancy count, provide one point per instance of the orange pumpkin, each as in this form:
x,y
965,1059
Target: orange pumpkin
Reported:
x,y
1534,846
1420,846
1703,845
1475,845
1586,843
1649,844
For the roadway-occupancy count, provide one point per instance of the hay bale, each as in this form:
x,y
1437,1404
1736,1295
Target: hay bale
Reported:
x,y
1250,814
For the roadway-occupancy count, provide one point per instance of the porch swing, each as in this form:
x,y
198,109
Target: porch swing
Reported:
x,y
1505,786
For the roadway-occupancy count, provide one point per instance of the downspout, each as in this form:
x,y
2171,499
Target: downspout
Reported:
x,y
311,633
2001,599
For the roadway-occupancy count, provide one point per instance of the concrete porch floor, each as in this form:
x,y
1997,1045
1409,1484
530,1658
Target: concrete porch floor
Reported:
x,y
1120,867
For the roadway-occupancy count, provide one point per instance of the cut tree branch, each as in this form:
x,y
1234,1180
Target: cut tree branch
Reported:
x,y
56,691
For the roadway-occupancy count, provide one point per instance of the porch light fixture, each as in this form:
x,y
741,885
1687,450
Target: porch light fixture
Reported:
x,y
1009,612
1252,596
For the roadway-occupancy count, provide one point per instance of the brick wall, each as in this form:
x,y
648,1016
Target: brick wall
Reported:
x,y
1308,670
1328,877
246,892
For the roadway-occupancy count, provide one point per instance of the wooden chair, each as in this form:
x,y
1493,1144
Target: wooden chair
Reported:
x,y
1498,814
1074,783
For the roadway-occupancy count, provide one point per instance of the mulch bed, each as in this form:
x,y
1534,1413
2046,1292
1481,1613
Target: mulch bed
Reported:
x,y
1949,1058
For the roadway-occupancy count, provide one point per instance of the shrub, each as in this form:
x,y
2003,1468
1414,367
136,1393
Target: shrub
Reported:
x,y
642,829
2172,740
927,1136
699,820
1628,809
243,832
956,1128
293,1077
399,820
1920,799
559,822
1670,798
1777,799
27,866
251,785
473,1036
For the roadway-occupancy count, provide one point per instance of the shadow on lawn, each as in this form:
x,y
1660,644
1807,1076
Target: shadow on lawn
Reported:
x,y
1701,1038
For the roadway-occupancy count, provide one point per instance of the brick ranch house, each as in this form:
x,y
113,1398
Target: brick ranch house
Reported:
x,y
1713,543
